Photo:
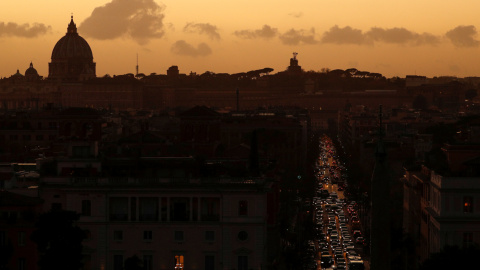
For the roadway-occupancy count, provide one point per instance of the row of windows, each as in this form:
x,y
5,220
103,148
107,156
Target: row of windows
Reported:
x,y
27,125
179,209
15,137
22,239
179,236
179,261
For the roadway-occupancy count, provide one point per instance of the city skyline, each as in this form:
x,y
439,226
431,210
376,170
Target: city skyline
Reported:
x,y
395,39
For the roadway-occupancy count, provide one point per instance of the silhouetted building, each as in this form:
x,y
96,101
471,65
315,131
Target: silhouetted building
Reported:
x,y
294,67
18,215
164,209
441,204
380,199
72,58
173,72
31,74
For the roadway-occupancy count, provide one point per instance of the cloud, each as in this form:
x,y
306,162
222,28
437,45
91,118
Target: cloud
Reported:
x,y
203,28
296,14
295,37
181,47
141,20
11,29
402,36
463,36
266,32
345,35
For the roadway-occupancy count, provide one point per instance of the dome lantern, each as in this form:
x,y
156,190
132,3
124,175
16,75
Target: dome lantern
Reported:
x,y
72,27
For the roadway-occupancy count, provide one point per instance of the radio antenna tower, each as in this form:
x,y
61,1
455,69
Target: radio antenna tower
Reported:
x,y
137,66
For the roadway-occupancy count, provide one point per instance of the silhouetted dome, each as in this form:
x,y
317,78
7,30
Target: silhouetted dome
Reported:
x,y
72,58
31,71
17,75
72,45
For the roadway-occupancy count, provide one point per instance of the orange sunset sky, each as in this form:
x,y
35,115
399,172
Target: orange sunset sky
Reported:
x,y
395,38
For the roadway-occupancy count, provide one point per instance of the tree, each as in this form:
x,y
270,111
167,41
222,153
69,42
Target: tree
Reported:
x,y
59,240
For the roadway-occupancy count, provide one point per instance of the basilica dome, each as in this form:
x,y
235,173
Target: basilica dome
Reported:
x,y
31,73
72,57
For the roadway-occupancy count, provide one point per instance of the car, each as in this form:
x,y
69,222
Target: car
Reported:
x,y
355,220
346,238
351,252
349,248
338,255
360,240
326,260
325,248
334,237
334,244
356,233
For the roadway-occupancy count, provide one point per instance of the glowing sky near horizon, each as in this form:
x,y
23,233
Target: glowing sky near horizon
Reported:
x,y
395,38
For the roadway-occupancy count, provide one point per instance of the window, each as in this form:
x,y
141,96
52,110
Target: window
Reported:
x,y
117,262
179,236
210,209
86,208
209,236
27,137
179,209
56,206
133,209
467,239
39,138
118,209
118,235
22,264
81,151
88,234
242,262
3,238
242,208
147,262
21,239
209,262
179,262
242,235
148,209
468,204
147,235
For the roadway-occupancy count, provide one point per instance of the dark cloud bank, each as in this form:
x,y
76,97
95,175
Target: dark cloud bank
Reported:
x,y
12,29
266,32
142,20
181,47
461,36
203,28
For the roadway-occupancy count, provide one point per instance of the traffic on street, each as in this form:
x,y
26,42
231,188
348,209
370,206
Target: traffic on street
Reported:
x,y
338,242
